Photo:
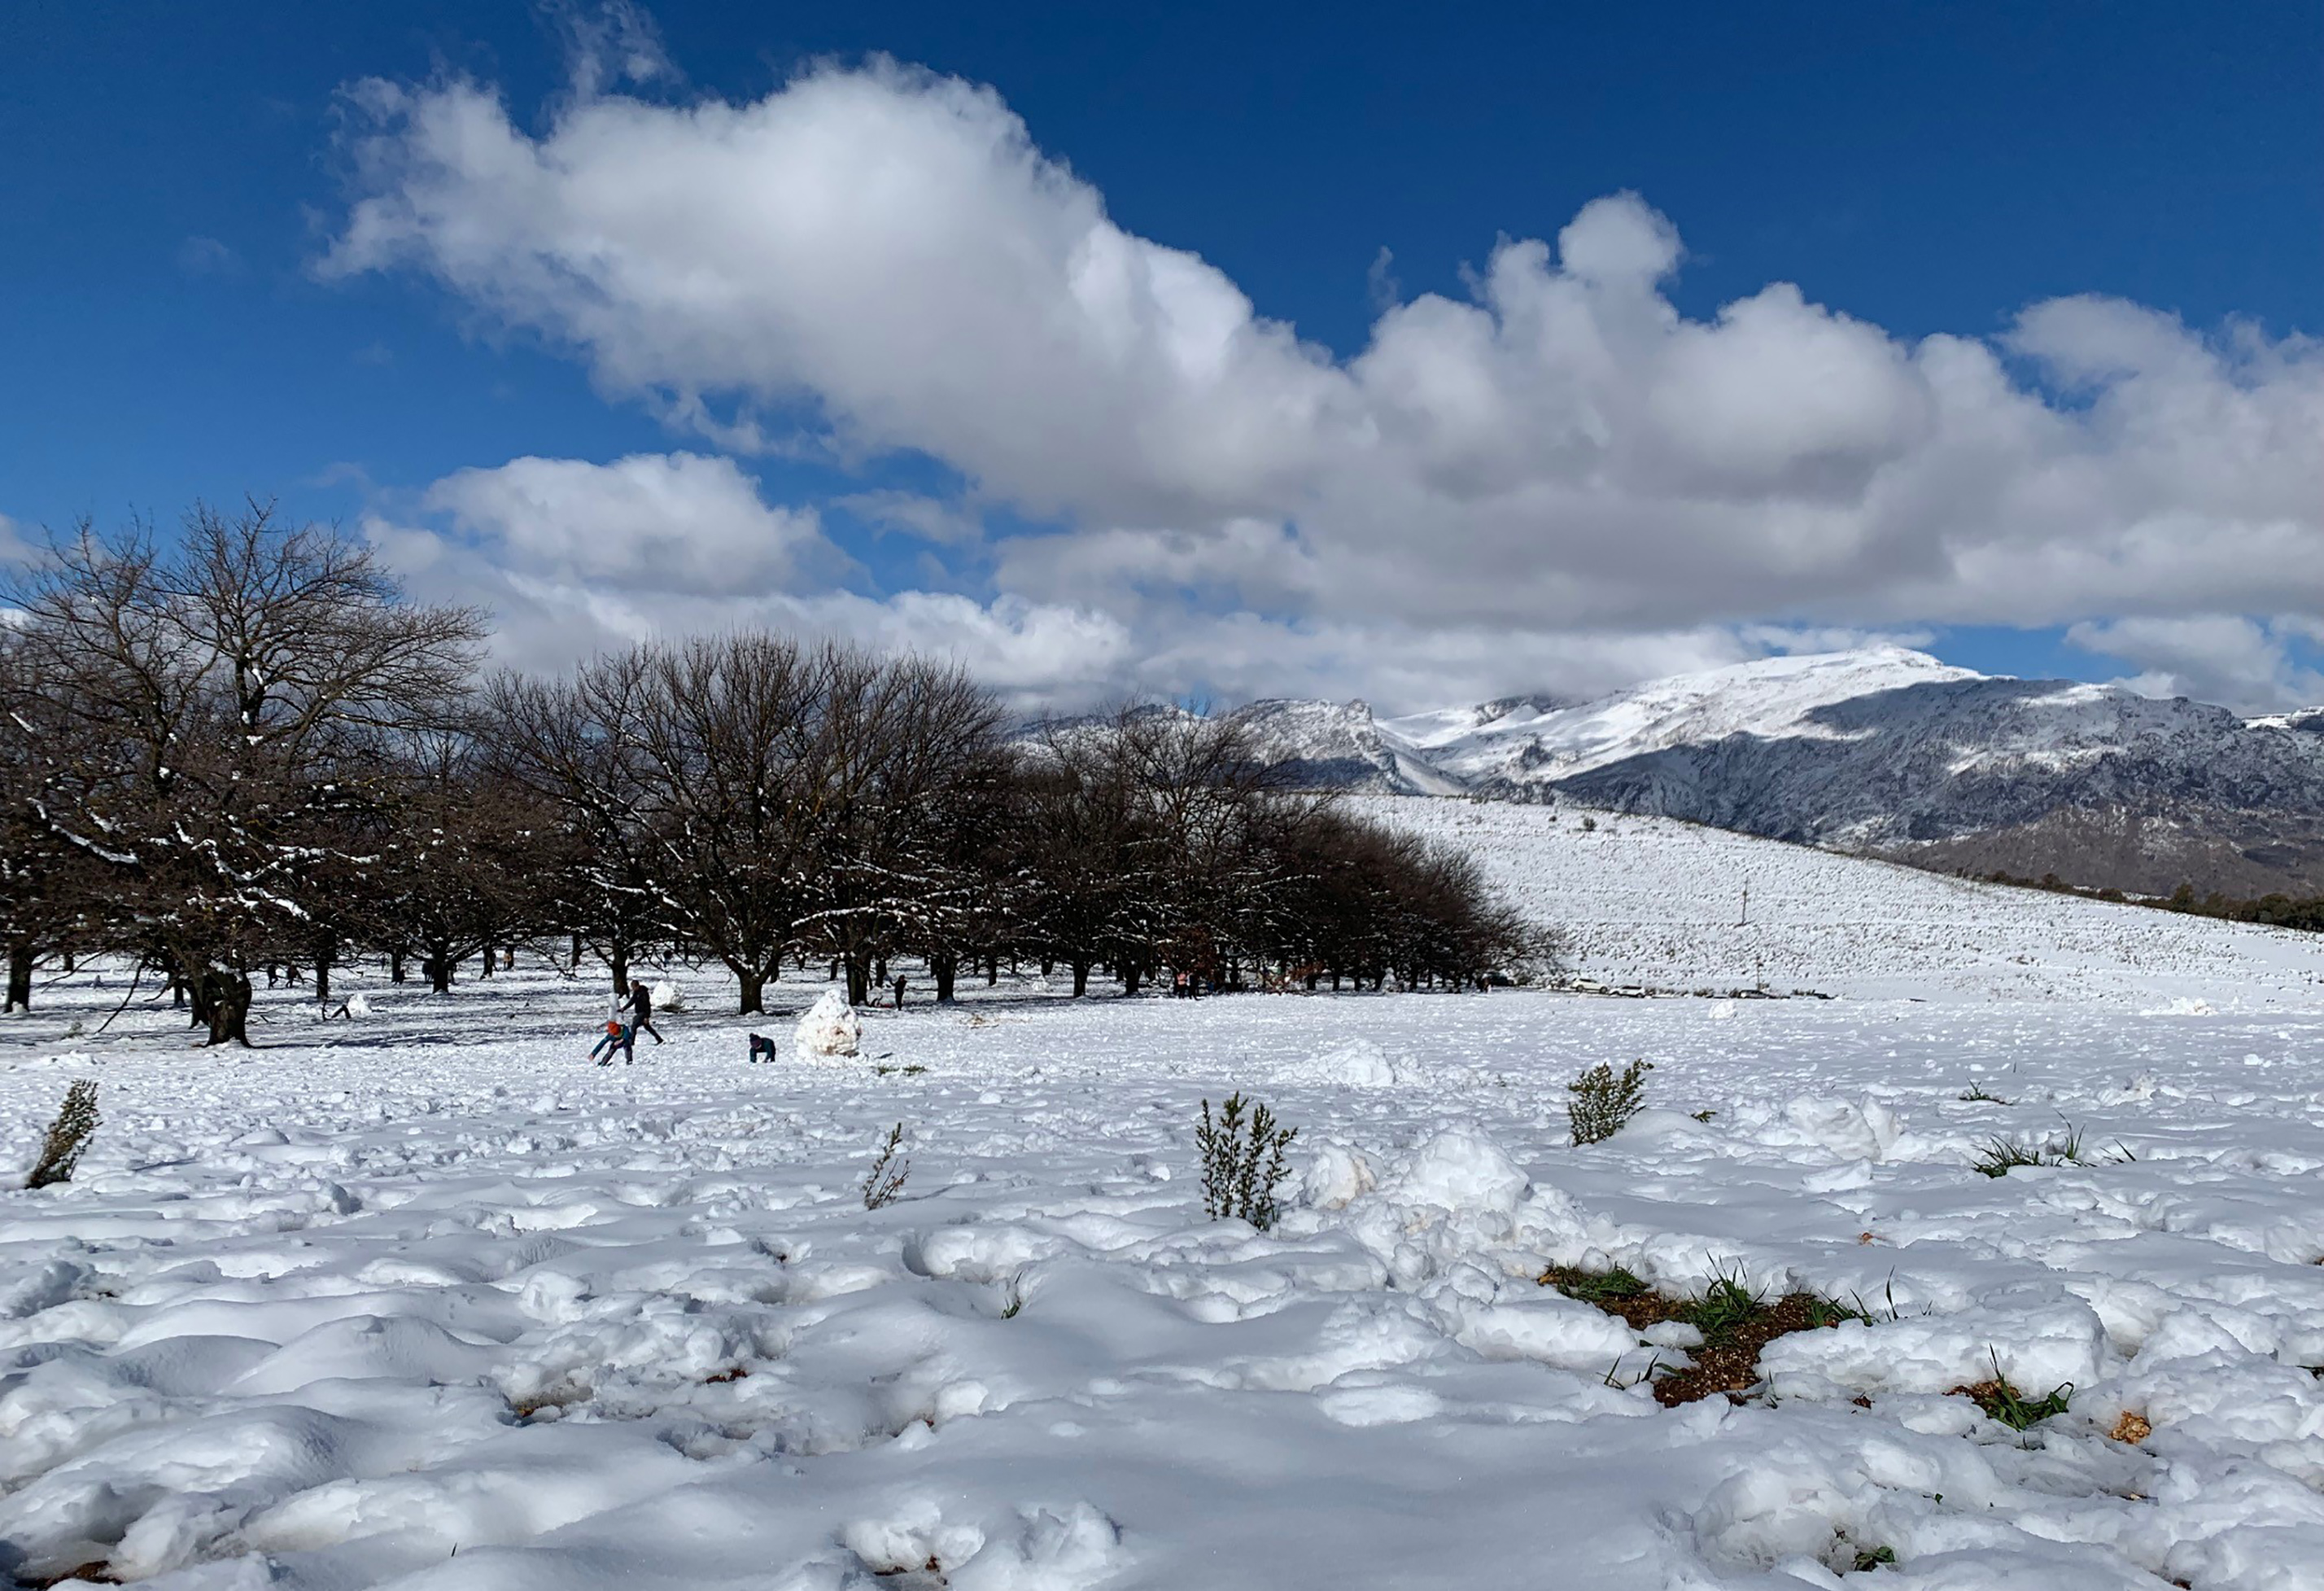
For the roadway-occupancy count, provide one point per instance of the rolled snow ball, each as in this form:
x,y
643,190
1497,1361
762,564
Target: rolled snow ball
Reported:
x,y
358,1007
829,1029
666,996
1461,1169
1335,1177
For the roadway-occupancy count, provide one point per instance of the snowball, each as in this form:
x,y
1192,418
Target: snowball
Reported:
x,y
1334,1177
830,1028
358,1007
1461,1169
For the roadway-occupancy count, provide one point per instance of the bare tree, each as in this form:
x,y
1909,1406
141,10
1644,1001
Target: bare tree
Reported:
x,y
224,701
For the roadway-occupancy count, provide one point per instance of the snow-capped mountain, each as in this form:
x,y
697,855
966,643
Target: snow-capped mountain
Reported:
x,y
1505,748
1336,746
1886,751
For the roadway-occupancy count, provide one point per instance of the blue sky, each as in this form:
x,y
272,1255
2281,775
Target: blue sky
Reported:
x,y
181,315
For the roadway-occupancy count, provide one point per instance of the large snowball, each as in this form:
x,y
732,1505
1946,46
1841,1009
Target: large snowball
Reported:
x,y
829,1029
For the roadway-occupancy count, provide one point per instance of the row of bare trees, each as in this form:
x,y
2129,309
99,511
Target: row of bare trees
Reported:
x,y
244,748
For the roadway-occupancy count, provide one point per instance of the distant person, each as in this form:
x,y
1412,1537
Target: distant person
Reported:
x,y
762,1048
641,1008
899,994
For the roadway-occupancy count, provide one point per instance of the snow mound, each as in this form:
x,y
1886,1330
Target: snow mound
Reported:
x,y
1357,1064
1458,1169
667,996
829,1029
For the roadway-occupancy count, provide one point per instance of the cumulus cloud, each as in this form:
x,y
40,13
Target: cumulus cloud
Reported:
x,y
2225,658
879,258
572,558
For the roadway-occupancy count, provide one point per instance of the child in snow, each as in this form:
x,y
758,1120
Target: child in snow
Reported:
x,y
762,1046
618,1036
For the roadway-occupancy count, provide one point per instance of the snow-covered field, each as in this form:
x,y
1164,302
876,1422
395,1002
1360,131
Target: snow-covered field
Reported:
x,y
428,1300
1651,901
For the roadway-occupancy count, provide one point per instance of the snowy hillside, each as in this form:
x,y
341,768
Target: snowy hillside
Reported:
x,y
1653,901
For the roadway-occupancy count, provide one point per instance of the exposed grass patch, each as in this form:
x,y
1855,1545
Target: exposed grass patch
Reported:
x,y
913,1071
1736,1323
2005,1404
2004,1154
1976,1094
1872,1558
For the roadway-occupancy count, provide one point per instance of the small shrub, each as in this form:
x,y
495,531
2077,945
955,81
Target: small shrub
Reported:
x,y
1242,1160
1976,1093
885,1181
1604,1100
68,1137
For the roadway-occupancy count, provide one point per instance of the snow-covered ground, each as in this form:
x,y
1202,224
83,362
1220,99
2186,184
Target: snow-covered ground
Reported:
x,y
1651,901
429,1300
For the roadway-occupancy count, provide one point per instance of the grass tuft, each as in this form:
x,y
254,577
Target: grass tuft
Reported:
x,y
2005,1404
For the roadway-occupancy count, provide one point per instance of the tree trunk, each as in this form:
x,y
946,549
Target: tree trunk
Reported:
x,y
1080,978
200,988
754,997
488,962
438,967
859,977
20,977
395,965
229,1006
326,952
619,960
992,970
944,966
1130,976
880,972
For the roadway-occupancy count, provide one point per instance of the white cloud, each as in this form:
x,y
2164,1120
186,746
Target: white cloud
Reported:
x,y
676,521
882,259
573,557
2224,658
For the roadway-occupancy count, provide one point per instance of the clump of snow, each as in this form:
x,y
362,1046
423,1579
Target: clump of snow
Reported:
x,y
829,1029
1335,1178
1360,1063
668,996
1460,1170
2184,1006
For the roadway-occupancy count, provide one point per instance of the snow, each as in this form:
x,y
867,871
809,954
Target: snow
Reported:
x,y
1768,696
430,1302
1654,903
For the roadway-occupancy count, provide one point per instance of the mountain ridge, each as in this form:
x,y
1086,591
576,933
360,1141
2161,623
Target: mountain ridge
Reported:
x,y
1884,750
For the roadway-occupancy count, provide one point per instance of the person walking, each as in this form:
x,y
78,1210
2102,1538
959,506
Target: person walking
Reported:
x,y
641,1008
